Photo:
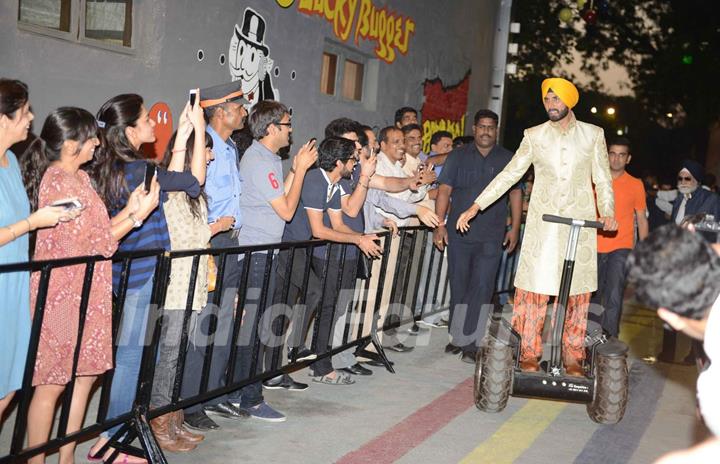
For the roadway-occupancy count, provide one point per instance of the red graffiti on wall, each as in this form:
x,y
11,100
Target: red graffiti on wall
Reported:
x,y
444,108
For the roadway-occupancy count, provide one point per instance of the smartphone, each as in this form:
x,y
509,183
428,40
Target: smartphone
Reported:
x,y
193,95
149,173
68,203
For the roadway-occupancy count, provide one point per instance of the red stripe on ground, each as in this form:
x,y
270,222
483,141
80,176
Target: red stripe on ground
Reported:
x,y
395,442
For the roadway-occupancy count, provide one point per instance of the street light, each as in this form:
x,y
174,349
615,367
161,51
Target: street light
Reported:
x,y
593,110
611,111
619,132
669,115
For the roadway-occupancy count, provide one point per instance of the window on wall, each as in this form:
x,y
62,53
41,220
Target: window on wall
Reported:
x,y
328,74
353,80
109,21
52,14
104,23
343,73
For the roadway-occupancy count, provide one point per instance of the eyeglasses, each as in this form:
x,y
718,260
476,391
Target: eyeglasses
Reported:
x,y
683,178
289,124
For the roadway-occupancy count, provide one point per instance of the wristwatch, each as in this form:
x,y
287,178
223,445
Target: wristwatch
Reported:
x,y
136,222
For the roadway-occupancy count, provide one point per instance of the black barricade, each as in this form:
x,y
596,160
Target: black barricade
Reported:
x,y
191,354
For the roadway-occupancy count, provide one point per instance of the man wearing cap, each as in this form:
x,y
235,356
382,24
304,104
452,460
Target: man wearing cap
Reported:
x,y
224,111
568,157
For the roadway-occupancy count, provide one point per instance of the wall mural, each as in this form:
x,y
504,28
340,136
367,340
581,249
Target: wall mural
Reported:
x,y
249,59
389,29
162,115
444,108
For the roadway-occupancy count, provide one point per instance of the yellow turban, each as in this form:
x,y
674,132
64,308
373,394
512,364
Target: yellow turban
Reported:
x,y
564,89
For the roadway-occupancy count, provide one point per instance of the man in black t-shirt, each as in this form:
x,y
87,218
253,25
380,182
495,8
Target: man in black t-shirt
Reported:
x,y
320,195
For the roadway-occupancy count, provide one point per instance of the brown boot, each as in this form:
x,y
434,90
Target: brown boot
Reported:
x,y
165,436
183,433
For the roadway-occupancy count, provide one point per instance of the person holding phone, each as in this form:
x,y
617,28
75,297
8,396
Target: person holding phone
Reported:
x,y
51,168
118,168
16,223
267,203
189,150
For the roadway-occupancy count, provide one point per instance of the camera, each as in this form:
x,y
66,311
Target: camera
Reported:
x,y
707,227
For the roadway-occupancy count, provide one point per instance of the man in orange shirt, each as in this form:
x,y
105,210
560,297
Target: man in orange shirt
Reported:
x,y
614,247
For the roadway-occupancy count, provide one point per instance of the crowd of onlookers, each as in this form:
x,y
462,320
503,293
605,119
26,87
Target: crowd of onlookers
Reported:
x,y
82,187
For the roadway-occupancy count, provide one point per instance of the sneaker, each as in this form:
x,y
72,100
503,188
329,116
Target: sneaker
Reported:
x,y
416,329
303,354
265,412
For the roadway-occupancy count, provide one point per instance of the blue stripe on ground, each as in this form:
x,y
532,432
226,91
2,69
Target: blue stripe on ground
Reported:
x,y
617,443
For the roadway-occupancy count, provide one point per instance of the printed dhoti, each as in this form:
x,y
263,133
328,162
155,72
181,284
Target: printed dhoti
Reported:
x,y
529,316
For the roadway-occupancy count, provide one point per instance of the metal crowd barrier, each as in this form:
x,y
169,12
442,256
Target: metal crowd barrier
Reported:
x,y
417,279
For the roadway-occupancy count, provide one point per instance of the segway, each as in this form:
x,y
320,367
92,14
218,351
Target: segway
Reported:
x,y
604,387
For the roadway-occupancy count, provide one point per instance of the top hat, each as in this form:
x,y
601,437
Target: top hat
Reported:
x,y
253,30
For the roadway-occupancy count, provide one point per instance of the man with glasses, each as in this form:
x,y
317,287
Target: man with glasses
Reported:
x,y
691,199
266,204
614,247
320,195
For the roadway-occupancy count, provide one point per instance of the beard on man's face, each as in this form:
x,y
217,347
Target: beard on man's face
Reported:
x,y
556,115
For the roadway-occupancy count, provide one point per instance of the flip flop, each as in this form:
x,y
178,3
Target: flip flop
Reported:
x,y
340,379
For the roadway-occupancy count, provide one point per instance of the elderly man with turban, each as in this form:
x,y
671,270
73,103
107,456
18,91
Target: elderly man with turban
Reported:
x,y
569,156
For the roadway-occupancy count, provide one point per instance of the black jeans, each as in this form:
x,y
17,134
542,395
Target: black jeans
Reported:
x,y
201,336
611,285
472,269
335,300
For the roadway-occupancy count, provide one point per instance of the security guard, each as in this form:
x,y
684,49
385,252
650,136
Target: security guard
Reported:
x,y
474,257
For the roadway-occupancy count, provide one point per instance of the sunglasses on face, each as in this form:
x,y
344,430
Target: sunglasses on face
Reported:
x,y
684,179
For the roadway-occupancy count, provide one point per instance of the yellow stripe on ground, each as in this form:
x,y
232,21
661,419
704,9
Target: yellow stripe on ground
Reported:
x,y
516,434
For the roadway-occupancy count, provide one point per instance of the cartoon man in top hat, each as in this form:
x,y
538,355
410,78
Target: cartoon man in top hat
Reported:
x,y
249,61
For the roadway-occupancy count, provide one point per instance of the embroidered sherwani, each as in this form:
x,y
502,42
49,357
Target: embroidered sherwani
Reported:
x,y
567,162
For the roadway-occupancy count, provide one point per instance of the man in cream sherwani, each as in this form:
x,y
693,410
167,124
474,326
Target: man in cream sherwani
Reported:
x,y
569,156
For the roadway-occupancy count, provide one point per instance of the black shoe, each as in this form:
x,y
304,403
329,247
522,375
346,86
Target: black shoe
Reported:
x,y
452,349
304,354
227,410
374,363
357,369
400,348
284,382
200,421
468,357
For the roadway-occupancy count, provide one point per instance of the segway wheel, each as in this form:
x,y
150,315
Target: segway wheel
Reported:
x,y
611,389
493,375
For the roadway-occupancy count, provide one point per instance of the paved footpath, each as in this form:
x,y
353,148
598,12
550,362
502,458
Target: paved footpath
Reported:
x,y
425,414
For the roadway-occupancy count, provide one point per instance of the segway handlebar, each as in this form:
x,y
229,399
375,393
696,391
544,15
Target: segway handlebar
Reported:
x,y
570,221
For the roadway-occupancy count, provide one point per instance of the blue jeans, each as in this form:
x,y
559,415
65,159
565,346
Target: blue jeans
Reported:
x,y
131,341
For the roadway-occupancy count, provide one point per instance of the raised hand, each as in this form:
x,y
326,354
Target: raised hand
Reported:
x,y
305,157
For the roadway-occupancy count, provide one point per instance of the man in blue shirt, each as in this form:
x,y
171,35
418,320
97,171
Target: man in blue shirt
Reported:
x,y
225,113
